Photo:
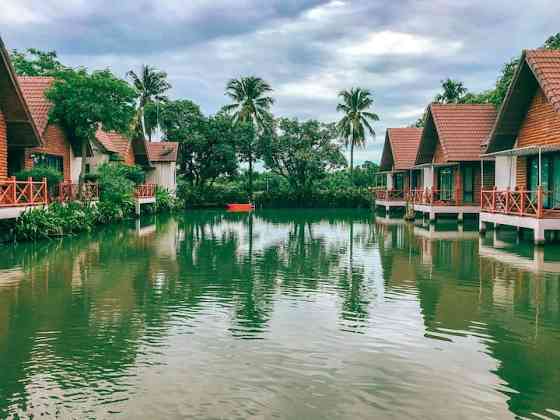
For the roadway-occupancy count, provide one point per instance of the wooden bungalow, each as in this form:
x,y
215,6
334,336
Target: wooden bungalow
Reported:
x,y
525,141
397,171
18,131
449,155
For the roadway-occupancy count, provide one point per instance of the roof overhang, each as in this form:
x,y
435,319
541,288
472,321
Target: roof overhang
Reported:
x,y
525,151
436,165
22,131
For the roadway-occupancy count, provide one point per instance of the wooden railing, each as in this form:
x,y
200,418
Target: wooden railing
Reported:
x,y
23,193
71,192
388,195
145,191
514,202
434,196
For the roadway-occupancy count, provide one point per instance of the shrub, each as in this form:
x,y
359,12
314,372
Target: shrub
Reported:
x,y
38,172
165,202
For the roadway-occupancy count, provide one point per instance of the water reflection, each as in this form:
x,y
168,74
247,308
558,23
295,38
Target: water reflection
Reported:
x,y
276,314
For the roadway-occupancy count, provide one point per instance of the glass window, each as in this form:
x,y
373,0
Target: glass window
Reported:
x,y
468,184
398,182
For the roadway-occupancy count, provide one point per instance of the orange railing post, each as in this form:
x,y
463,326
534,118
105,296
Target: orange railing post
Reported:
x,y
14,193
494,199
522,201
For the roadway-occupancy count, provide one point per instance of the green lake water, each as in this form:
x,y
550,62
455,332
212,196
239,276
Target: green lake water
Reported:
x,y
280,314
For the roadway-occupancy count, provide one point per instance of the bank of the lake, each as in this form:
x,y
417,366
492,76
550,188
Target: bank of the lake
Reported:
x,y
286,314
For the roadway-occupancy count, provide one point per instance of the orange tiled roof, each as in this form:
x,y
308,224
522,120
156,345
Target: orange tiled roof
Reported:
x,y
113,142
462,129
33,89
404,144
545,64
163,151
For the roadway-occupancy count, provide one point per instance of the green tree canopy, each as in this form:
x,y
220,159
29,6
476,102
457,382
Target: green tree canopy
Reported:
x,y
302,152
452,92
207,144
85,101
34,62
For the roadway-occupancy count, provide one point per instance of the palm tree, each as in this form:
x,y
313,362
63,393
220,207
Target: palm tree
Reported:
x,y
453,92
251,105
356,121
151,85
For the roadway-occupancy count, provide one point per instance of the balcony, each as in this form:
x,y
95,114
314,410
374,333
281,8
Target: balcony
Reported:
x,y
384,194
145,191
16,196
522,203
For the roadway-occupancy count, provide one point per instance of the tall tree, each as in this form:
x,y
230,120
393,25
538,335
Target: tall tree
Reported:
x,y
357,119
251,105
553,42
151,85
453,92
34,62
207,144
302,153
82,102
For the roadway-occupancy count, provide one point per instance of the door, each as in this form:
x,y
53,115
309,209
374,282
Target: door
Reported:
x,y
468,184
446,184
547,174
398,182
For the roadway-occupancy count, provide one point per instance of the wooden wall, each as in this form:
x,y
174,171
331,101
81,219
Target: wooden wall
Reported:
x,y
541,125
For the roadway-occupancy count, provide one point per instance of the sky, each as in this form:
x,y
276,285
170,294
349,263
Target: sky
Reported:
x,y
308,50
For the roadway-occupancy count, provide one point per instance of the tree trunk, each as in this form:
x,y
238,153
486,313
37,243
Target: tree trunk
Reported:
x,y
251,179
352,160
143,121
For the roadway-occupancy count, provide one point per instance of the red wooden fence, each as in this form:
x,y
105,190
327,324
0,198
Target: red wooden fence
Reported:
x,y
145,191
23,193
514,202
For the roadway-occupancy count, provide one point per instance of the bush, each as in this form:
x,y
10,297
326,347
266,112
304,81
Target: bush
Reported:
x,y
165,202
37,173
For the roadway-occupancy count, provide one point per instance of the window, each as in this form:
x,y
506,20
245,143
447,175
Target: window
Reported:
x,y
550,179
52,161
468,184
398,182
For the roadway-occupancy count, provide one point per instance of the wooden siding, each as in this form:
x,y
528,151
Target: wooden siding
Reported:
x,y
521,172
3,147
439,157
541,125
57,144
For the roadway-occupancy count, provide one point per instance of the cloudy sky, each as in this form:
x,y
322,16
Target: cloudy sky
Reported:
x,y
307,49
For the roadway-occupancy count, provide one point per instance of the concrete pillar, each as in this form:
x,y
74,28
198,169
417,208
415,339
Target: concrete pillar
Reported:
x,y
539,234
481,227
137,207
432,216
460,228
460,217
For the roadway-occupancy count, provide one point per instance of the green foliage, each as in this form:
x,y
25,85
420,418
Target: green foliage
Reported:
x,y
357,118
34,62
56,220
553,42
150,85
207,145
250,101
117,189
303,153
453,92
38,172
165,202
85,101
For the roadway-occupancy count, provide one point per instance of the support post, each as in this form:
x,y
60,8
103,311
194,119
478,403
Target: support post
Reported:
x,y
137,207
539,234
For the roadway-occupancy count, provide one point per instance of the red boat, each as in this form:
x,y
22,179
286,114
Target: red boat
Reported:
x,y
238,207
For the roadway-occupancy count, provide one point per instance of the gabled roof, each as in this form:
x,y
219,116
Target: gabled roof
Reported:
x,y
22,131
34,89
400,149
163,151
537,68
113,142
461,129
